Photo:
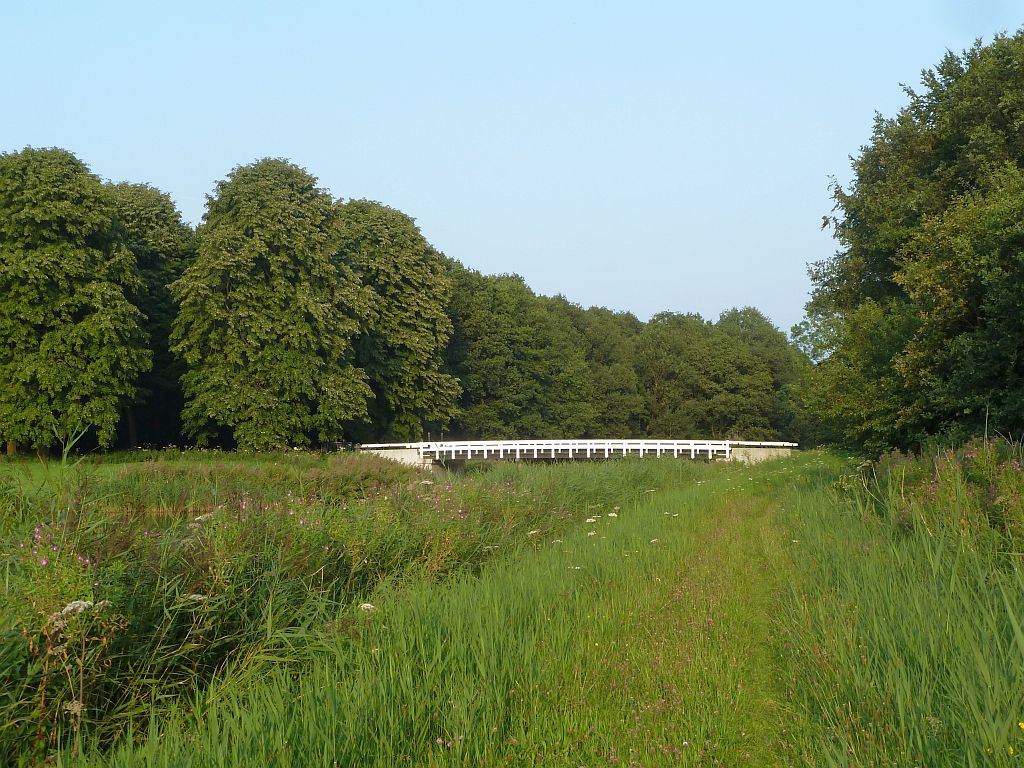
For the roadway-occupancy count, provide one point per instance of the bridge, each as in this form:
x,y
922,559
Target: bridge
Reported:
x,y
458,451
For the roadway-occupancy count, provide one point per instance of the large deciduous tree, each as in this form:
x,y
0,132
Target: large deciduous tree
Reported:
x,y
788,366
71,343
163,245
608,340
407,326
920,306
523,373
701,381
267,317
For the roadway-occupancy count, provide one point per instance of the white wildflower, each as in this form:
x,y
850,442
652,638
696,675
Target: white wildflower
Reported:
x,y
76,606
654,541
198,522
591,533
367,607
533,532
613,514
590,520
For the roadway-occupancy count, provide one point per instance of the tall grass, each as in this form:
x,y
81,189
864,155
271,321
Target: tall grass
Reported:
x,y
908,608
640,613
612,642
194,571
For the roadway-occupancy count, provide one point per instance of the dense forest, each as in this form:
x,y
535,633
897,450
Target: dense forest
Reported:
x,y
288,317
291,318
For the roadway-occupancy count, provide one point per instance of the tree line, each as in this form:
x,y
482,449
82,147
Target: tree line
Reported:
x,y
290,318
917,322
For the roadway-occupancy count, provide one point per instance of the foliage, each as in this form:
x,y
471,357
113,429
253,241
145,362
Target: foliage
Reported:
x,y
407,327
534,366
267,317
856,388
964,272
523,373
930,257
702,380
289,319
608,340
151,227
788,366
72,345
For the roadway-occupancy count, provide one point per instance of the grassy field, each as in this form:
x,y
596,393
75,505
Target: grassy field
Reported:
x,y
335,611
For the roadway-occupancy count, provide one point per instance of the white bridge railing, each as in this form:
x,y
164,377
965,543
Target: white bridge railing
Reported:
x,y
461,450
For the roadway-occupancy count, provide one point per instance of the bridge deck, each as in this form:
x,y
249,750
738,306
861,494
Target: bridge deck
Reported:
x,y
462,450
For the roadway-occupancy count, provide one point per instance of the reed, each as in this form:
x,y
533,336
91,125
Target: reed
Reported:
x,y
233,567
907,607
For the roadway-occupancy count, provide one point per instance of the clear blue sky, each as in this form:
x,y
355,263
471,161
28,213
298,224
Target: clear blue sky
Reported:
x,y
644,156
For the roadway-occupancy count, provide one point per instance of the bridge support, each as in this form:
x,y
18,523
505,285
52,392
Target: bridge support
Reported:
x,y
410,456
755,455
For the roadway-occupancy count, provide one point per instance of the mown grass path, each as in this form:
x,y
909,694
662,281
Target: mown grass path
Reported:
x,y
693,673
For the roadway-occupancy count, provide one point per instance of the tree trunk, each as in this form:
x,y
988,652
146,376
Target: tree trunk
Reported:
x,y
133,428
12,448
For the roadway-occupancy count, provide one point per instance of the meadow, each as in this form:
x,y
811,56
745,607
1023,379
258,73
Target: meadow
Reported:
x,y
207,609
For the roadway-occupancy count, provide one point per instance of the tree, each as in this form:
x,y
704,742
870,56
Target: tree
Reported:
x,y
71,343
788,366
523,373
608,340
856,389
963,271
407,326
568,405
267,317
919,304
163,245
701,381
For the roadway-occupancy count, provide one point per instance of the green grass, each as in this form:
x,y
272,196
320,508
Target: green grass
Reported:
x,y
907,610
623,646
640,613
274,561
